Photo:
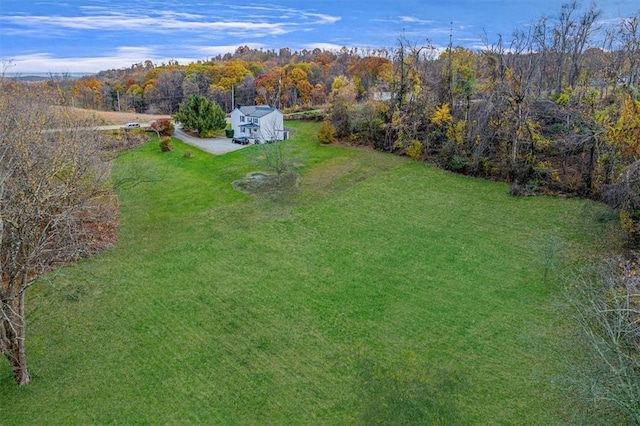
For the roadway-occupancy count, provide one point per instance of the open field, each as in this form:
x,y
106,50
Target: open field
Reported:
x,y
383,291
114,117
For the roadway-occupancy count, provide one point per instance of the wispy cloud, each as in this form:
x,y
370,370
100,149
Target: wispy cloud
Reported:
x,y
116,22
97,18
302,17
414,20
121,57
81,35
141,23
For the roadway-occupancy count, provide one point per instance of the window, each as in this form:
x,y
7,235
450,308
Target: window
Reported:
x,y
242,118
255,120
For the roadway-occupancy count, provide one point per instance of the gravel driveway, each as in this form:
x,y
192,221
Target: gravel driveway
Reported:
x,y
214,145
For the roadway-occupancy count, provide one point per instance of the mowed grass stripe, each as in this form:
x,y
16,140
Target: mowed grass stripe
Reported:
x,y
384,291
506,271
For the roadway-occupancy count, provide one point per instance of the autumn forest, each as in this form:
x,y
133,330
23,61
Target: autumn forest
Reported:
x,y
552,108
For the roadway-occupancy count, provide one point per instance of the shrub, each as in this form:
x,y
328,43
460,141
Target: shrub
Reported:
x,y
456,163
624,196
326,133
163,126
414,150
208,134
166,144
120,140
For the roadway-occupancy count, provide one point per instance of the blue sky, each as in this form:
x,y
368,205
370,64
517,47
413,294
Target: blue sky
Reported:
x,y
92,35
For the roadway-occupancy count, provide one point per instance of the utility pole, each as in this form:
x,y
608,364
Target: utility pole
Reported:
x,y
277,101
233,98
451,65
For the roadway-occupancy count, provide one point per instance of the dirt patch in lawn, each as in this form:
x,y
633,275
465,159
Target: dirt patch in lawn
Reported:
x,y
264,184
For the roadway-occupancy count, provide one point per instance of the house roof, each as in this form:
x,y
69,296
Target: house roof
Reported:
x,y
256,110
250,126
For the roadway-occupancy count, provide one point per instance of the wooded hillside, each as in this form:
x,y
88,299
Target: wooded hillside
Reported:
x,y
552,107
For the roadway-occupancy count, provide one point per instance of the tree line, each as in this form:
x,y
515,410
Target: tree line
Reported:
x,y
552,107
546,110
283,79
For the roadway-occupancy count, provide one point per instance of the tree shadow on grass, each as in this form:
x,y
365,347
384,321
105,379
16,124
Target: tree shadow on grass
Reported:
x,y
407,393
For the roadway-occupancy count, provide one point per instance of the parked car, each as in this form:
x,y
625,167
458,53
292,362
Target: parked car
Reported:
x,y
242,140
131,126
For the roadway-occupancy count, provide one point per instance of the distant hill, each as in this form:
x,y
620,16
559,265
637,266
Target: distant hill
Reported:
x,y
46,76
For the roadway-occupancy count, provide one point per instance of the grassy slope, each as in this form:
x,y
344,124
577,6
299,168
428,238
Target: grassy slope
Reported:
x,y
384,290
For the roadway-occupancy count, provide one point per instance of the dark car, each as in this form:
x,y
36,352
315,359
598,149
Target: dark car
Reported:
x,y
241,140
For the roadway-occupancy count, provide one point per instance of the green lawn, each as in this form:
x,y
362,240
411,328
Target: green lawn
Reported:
x,y
383,292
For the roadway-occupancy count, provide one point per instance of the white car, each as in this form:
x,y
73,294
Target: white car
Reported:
x,y
131,126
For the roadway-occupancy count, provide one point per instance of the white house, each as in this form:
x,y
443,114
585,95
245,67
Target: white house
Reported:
x,y
260,122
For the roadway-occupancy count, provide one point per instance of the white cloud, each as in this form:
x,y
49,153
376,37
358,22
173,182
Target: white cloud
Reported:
x,y
322,18
301,16
147,24
192,32
414,20
97,18
122,57
323,46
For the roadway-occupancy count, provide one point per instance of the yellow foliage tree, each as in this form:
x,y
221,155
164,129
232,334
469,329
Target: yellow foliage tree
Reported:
x,y
326,133
442,116
624,132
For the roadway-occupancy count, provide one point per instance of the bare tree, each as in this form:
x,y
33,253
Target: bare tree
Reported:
x,y
276,155
580,41
54,193
195,84
514,73
571,35
168,91
630,47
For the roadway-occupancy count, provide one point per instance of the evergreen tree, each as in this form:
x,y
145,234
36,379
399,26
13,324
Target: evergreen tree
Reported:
x,y
199,113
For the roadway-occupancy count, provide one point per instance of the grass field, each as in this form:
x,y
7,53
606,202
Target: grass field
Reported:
x,y
383,291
